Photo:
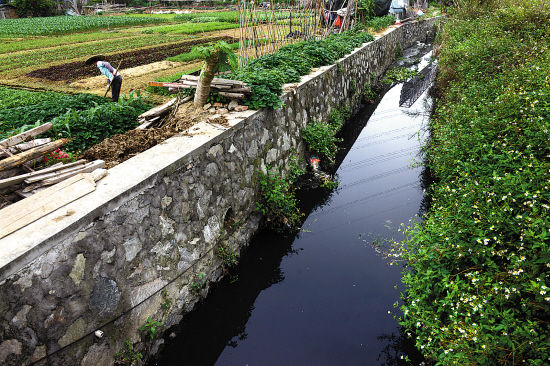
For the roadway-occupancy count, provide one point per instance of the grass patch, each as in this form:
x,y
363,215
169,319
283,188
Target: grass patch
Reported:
x,y
477,276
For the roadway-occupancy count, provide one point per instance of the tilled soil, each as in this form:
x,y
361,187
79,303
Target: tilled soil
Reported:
x,y
122,147
78,69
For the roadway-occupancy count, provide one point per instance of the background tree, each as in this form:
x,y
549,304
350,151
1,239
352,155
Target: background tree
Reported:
x,y
217,57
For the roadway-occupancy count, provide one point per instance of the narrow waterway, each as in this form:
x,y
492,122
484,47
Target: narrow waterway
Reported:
x,y
323,296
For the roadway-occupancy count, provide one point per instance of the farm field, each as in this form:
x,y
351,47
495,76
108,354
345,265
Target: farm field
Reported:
x,y
49,53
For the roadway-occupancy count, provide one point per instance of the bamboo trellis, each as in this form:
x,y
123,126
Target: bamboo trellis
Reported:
x,y
264,29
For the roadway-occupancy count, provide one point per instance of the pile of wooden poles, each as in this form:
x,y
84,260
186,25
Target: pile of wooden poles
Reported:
x,y
18,158
233,89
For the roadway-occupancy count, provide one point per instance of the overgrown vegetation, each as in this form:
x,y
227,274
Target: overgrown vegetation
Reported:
x,y
20,107
267,74
229,257
320,137
278,202
128,356
478,266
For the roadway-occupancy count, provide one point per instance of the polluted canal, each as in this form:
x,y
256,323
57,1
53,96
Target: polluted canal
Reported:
x,y
323,297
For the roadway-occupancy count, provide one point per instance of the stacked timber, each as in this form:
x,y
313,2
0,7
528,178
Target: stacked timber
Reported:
x,y
18,176
233,89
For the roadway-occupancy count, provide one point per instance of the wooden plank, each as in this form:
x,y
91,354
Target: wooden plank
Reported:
x,y
15,212
23,147
215,80
58,172
232,95
22,137
6,152
35,152
29,145
24,212
246,90
158,109
88,168
20,178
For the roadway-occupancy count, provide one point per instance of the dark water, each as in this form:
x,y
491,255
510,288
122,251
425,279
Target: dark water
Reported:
x,y
322,297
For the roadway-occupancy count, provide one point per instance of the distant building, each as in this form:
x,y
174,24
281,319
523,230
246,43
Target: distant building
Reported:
x,y
7,11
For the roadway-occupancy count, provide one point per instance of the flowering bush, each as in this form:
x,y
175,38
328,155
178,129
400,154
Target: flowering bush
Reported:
x,y
58,156
478,266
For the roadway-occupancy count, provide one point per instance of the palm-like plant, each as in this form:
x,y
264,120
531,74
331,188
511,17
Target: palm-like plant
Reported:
x,y
217,57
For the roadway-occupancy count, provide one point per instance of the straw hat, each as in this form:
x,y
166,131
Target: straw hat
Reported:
x,y
92,60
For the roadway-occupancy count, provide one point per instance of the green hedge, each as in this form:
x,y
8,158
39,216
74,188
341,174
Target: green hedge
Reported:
x,y
478,266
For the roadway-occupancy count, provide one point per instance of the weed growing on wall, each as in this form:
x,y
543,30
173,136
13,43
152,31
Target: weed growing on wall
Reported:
x,y
150,328
229,257
199,284
278,202
128,356
320,139
478,272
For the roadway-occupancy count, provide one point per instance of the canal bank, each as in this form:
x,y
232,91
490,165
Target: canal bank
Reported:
x,y
324,296
126,257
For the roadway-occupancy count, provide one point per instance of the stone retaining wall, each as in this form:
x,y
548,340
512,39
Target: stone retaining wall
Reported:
x,y
133,248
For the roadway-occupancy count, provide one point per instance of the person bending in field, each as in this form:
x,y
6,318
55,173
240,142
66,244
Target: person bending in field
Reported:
x,y
113,77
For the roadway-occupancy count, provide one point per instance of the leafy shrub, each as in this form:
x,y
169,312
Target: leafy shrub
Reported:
x,y
88,123
278,202
320,139
228,256
267,74
338,117
477,277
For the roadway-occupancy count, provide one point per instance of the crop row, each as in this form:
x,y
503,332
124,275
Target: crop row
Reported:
x,y
78,69
72,39
68,24
68,52
189,28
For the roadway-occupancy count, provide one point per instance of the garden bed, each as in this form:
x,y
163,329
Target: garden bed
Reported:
x,y
78,69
